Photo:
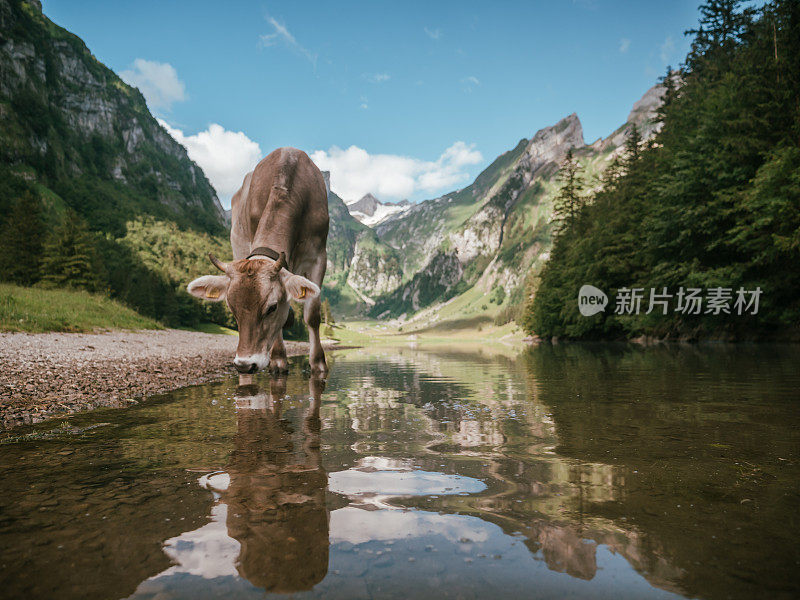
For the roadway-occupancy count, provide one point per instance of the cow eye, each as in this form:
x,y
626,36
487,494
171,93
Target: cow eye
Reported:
x,y
271,309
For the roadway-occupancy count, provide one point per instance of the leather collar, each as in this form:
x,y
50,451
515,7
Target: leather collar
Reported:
x,y
264,251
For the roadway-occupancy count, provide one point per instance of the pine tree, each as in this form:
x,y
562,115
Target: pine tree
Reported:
x,y
670,91
21,241
633,146
569,201
70,258
722,26
611,175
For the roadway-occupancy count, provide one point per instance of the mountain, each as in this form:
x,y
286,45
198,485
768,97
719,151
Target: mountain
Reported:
x,y
370,211
81,155
70,125
476,247
343,232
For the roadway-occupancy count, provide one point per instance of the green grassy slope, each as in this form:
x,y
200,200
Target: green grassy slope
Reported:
x,y
36,310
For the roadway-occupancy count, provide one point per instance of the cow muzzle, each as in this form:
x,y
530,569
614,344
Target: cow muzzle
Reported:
x,y
251,364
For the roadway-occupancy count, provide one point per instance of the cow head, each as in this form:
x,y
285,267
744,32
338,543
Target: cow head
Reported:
x,y
257,291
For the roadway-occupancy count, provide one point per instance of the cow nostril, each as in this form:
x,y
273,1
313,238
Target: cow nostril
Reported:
x,y
247,365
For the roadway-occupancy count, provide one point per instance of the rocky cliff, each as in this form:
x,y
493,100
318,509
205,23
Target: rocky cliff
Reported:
x,y
342,233
375,268
73,126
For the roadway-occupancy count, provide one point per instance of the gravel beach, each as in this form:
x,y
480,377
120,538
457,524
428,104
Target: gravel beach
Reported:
x,y
44,375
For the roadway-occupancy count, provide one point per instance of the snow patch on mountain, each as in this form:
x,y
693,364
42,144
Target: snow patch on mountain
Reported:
x,y
370,211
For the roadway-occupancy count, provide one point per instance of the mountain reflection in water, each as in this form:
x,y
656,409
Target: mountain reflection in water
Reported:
x,y
567,471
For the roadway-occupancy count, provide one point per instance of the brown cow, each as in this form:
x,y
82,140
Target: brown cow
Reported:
x,y
279,231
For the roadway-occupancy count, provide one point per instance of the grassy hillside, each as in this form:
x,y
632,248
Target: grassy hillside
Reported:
x,y
37,310
179,255
175,257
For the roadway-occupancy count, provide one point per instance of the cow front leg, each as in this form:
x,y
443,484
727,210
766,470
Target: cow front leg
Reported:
x,y
316,356
277,357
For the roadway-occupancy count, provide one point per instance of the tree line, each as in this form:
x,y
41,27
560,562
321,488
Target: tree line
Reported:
x,y
57,249
711,201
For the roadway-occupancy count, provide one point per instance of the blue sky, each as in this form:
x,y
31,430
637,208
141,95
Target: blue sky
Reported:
x,y
427,93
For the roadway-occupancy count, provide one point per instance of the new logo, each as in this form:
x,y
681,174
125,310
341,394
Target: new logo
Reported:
x,y
591,300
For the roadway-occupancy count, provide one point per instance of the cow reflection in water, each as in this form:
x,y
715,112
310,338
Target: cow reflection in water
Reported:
x,y
276,503
269,525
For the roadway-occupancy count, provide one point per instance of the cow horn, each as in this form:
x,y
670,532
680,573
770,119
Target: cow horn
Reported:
x,y
218,263
279,264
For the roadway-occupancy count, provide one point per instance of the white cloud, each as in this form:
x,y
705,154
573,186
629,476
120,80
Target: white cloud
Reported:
x,y
667,48
434,34
470,83
378,77
624,44
355,172
225,156
364,103
157,81
281,34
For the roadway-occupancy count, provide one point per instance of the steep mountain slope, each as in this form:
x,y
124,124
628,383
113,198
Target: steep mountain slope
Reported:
x,y
359,264
342,233
488,237
71,125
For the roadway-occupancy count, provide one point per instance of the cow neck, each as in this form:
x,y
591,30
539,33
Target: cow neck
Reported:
x,y
277,224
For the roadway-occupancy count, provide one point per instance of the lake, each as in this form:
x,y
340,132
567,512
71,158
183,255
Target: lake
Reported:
x,y
567,471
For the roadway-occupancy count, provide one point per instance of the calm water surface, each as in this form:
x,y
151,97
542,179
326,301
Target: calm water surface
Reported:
x,y
563,472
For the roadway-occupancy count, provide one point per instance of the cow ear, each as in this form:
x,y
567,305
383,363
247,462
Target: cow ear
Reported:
x,y
299,288
213,288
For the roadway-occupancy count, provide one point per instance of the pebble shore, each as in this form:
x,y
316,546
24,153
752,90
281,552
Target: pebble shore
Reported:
x,y
44,375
